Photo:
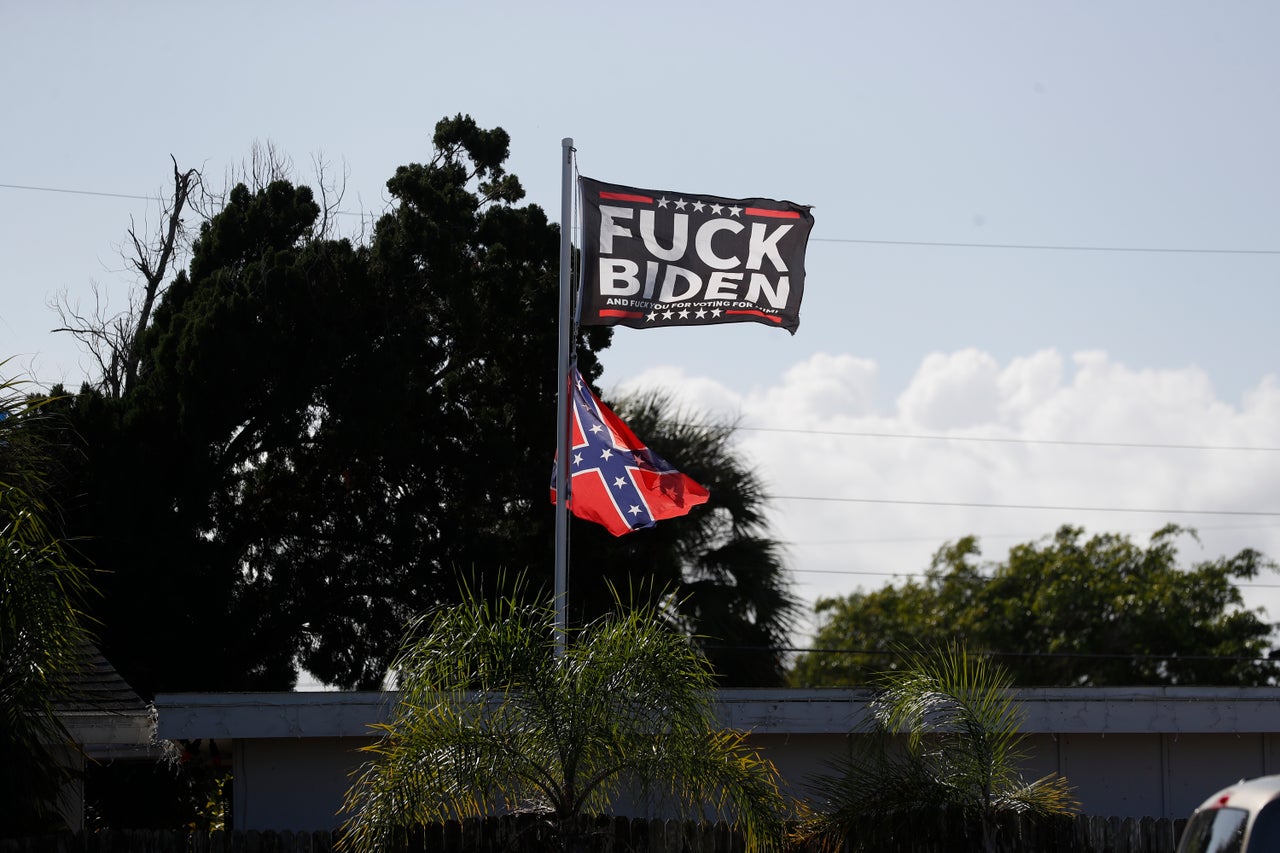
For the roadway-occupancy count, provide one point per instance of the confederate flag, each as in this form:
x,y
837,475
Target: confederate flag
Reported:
x,y
617,481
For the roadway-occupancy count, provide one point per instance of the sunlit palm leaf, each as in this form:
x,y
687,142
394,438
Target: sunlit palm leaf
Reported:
x,y
490,721
958,764
42,633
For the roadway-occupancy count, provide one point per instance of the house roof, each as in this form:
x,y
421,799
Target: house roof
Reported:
x,y
97,686
102,712
1101,710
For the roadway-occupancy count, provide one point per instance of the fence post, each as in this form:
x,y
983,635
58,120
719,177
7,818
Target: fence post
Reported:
x,y
658,836
1097,831
707,837
1133,843
683,835
640,835
1116,842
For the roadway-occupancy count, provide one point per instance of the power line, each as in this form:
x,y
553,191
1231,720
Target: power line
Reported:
x,y
127,195
861,573
1049,248
1040,655
1045,247
77,192
1005,440
1101,656
977,505
984,537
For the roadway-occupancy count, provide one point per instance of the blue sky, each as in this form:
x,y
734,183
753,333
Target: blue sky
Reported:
x,y
1106,129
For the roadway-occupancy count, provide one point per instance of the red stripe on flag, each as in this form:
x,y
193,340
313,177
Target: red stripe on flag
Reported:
x,y
614,312
760,314
776,214
642,199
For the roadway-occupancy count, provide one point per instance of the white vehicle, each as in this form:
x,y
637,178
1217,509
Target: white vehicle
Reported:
x,y
1241,818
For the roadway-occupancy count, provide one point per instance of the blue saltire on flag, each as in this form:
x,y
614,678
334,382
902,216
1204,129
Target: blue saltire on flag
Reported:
x,y
616,480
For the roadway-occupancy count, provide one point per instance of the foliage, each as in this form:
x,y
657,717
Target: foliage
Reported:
x,y
732,589
490,720
42,630
187,791
1067,611
947,744
322,436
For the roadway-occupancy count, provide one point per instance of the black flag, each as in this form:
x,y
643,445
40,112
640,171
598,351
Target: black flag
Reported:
x,y
658,258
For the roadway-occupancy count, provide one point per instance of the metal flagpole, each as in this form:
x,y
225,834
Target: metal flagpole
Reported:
x,y
563,398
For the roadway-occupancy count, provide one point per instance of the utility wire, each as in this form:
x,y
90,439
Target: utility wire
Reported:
x,y
1002,440
917,574
1003,654
125,195
985,537
852,240
1048,248
1261,514
77,192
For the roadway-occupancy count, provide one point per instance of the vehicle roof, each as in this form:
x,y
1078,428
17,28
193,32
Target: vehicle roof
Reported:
x,y
1251,794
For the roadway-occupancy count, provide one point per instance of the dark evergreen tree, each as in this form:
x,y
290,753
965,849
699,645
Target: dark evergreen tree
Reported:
x,y
324,438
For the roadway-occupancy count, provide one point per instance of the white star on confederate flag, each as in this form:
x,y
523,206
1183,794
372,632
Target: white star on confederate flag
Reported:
x,y
617,480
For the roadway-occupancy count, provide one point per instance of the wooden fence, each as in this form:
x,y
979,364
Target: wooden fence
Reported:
x,y
604,835
1080,834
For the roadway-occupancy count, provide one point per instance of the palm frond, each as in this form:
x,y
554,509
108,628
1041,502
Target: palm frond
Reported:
x,y
42,627
490,721
956,764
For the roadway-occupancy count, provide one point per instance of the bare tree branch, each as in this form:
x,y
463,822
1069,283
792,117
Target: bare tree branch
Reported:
x,y
112,339
153,265
331,194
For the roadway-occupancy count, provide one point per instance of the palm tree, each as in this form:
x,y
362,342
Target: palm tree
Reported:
x,y
42,635
732,590
959,762
490,720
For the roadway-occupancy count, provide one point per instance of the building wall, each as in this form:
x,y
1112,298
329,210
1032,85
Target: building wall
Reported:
x,y
1128,752
292,783
1157,775
299,783
1200,764
1114,774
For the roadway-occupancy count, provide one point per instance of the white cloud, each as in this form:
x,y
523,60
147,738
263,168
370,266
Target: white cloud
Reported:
x,y
820,389
959,389
1028,382
692,394
904,496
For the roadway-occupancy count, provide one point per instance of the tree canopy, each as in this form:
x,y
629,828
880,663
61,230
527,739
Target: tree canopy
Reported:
x,y
1064,611
324,435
